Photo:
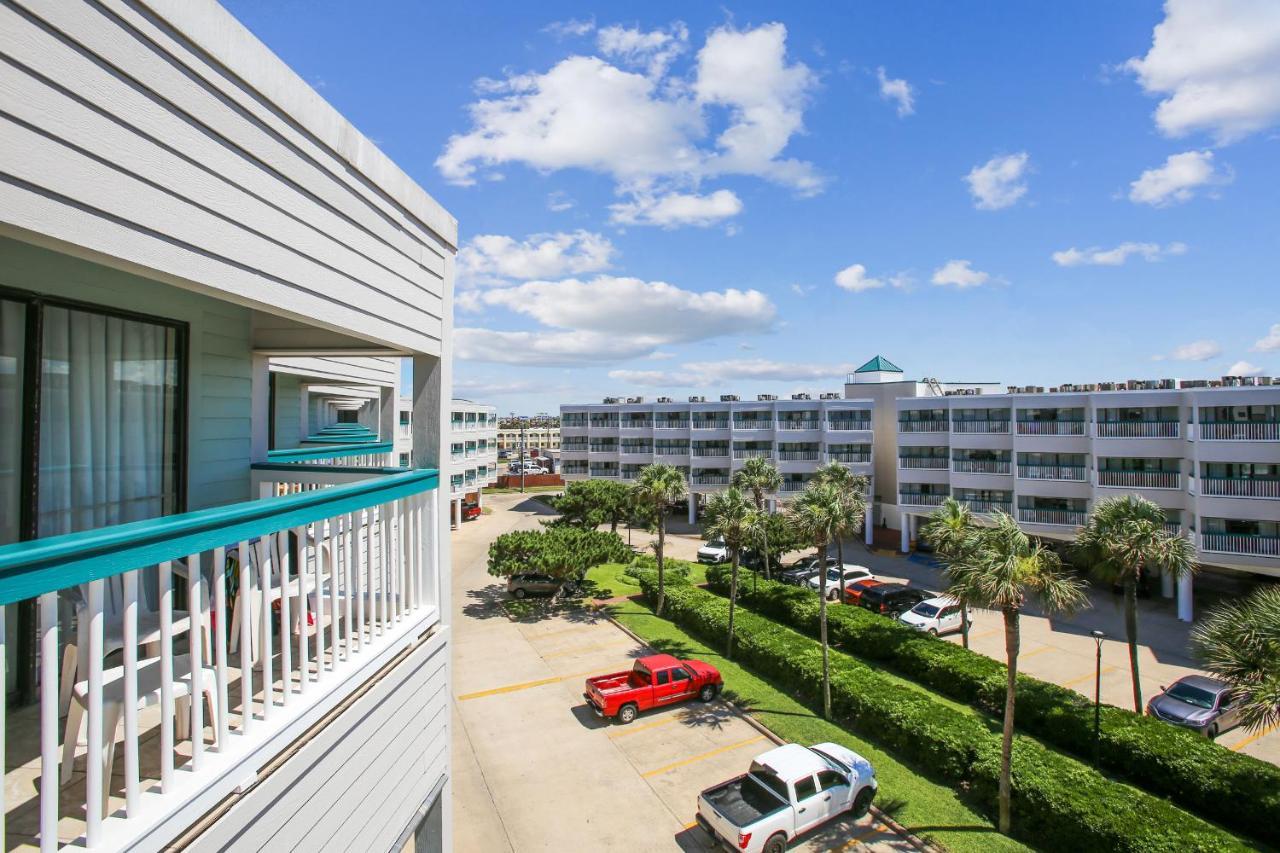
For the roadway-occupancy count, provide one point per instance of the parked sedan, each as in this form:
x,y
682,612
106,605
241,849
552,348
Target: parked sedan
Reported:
x,y
532,583
840,577
1197,702
801,571
892,599
936,616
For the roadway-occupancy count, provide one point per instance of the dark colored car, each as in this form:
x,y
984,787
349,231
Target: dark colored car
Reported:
x,y
1204,705
892,599
799,572
531,583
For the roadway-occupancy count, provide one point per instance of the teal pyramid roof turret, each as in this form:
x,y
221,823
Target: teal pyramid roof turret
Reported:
x,y
879,363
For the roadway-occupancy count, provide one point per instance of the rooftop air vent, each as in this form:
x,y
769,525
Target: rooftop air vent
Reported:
x,y
801,397
635,400
828,395
729,398
1263,380
697,399
766,397
665,400
611,401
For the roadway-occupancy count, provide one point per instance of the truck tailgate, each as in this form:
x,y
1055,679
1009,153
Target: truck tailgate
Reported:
x,y
737,804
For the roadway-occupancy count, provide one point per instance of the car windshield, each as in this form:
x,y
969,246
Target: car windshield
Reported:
x,y
831,762
1192,695
715,543
926,609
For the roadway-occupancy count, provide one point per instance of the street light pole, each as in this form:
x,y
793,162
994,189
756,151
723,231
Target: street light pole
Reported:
x,y
1098,637
523,421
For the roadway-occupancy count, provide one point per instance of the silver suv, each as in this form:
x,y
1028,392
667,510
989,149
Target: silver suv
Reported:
x,y
1205,705
531,583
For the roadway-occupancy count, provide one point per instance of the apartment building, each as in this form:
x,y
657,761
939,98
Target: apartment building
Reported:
x,y
186,225
708,441
543,438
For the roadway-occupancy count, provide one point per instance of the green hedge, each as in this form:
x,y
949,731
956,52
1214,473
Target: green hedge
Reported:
x,y
1237,790
1058,802
674,571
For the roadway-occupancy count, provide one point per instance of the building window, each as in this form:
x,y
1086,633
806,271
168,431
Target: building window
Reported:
x,y
404,460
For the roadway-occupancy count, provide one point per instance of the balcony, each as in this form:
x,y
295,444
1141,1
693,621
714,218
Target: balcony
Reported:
x,y
709,423
372,454
798,425
1240,431
1072,473
938,463
1247,544
793,486
980,427
988,506
570,469
636,450
574,447
600,471
1136,429
711,479
1050,427
798,455
1056,517
980,466
756,425
752,453
920,499
849,424
601,447
671,424
1140,479
849,457
1240,487
711,451
351,560
924,426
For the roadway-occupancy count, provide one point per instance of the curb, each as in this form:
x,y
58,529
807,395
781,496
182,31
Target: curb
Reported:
x,y
915,840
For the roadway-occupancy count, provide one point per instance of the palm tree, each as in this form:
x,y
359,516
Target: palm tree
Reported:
x,y
760,477
1124,537
950,531
852,490
658,486
1240,643
731,517
817,516
998,572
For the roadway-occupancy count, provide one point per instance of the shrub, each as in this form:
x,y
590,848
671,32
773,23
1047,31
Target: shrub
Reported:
x,y
562,552
1059,803
677,571
1239,791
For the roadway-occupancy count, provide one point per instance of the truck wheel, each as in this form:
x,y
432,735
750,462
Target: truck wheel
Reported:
x,y
519,592
627,713
933,632
776,844
862,802
707,693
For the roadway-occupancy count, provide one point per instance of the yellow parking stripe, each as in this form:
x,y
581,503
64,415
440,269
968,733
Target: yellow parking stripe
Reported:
x,y
1258,734
1073,682
512,688
630,730
992,632
581,629
862,833
1038,651
696,758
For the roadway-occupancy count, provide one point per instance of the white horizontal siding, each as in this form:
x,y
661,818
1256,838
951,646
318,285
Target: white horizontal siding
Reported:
x,y
373,370
134,143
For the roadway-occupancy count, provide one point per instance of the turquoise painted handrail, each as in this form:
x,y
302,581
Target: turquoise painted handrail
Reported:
x,y
28,569
329,451
295,467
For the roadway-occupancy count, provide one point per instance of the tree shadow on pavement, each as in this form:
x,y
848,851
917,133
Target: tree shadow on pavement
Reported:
x,y
485,603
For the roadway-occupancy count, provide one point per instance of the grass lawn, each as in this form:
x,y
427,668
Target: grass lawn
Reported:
x,y
928,809
610,580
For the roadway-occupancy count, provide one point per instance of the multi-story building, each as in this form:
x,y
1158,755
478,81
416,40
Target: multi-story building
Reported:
x,y
185,225
544,438
473,452
708,441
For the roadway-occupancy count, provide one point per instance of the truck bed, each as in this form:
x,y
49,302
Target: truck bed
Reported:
x,y
743,801
612,682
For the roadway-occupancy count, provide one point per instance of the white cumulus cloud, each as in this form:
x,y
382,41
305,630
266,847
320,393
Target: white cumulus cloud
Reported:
x,y
959,274
675,209
1177,180
544,348
1244,368
701,374
1097,256
897,90
1271,342
1201,350
999,182
1216,66
495,257
854,278
654,50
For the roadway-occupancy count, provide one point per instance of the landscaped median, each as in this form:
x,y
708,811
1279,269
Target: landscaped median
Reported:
x,y
1237,790
1058,802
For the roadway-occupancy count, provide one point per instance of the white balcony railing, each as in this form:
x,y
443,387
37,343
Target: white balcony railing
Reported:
x,y
636,449
933,462
710,423
1057,517
671,424
797,425
1241,543
1073,473
753,425
711,479
602,448
983,426
1050,427
1140,479
987,506
604,472
924,426
752,453
671,449
1240,431
849,458
980,466
918,499
293,605
798,455
1136,429
793,486
1240,487
710,451
848,425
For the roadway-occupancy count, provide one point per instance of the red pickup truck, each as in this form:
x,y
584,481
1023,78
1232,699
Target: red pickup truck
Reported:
x,y
654,682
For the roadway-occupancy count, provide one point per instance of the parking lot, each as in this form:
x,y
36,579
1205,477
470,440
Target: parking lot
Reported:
x,y
535,769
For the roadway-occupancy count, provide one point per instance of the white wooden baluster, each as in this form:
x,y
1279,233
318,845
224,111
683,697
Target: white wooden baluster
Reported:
x,y
402,573
245,603
324,550
195,641
220,617
49,721
356,636
335,574
419,536
266,548
130,676
288,561
370,526
411,544
304,636
165,581
396,529
95,789
386,552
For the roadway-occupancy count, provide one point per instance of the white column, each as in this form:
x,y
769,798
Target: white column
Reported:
x,y
387,414
1166,584
259,407
1185,608
693,508
304,411
480,496
457,512
906,533
869,527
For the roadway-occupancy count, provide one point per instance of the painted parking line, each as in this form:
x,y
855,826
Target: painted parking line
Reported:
x,y
631,730
524,685
582,629
694,759
593,647
1255,736
1038,651
855,839
990,633
1073,682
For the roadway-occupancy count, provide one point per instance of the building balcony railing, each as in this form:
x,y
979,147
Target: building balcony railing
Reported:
x,y
1058,517
630,475
980,426
798,455
357,563
924,426
753,425
711,479
670,424
1248,544
711,451
988,506
752,453
933,462
710,423
918,499
1173,528
636,449
848,425
1074,473
636,425
671,450
1136,429
792,486
1050,427
849,457
1240,487
569,447
1140,479
795,425
1240,431
370,454
980,466
602,448
603,472
575,470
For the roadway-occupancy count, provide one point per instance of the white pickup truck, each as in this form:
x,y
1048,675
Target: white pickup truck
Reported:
x,y
788,791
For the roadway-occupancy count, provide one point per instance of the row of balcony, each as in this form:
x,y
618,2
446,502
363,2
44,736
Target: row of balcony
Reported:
x,y
848,457
834,425
1209,431
1230,487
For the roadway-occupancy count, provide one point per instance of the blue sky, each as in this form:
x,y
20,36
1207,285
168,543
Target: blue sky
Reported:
x,y
756,197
